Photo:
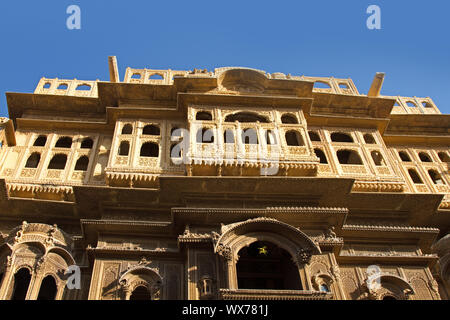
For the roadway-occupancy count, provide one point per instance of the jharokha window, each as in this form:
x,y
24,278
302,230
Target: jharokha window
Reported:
x,y
33,161
294,139
40,141
65,142
58,162
349,157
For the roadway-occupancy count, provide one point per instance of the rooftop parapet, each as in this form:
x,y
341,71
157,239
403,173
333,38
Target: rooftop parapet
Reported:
x,y
64,87
149,76
414,105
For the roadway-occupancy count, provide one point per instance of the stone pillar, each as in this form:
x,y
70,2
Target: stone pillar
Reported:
x,y
7,277
442,248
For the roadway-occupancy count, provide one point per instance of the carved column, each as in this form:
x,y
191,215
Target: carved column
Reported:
x,y
7,277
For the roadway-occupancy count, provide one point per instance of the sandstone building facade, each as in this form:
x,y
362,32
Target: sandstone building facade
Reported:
x,y
225,184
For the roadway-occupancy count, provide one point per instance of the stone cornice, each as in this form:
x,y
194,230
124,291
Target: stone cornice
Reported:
x,y
389,228
251,294
291,210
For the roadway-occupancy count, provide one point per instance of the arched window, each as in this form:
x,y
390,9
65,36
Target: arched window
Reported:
x,y
47,85
141,293
63,86
314,136
426,104
424,157
293,138
404,156
414,176
349,157
324,288
40,141
150,149
33,161
228,136
48,289
124,148
127,129
156,76
204,116
263,265
205,135
136,76
64,142
341,137
246,117
87,143
369,139
58,162
151,130
321,155
411,104
289,119
377,158
444,157
21,283
322,85
84,87
250,136
82,164
436,177
270,137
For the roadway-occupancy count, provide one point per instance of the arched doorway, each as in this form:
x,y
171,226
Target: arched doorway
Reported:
x,y
263,265
141,293
48,289
22,280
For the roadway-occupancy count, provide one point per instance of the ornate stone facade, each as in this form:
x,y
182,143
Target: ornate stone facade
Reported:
x,y
229,184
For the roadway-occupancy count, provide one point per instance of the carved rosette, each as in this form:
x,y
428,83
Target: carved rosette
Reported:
x,y
303,256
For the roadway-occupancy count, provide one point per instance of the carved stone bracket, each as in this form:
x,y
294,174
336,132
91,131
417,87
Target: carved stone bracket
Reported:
x,y
225,252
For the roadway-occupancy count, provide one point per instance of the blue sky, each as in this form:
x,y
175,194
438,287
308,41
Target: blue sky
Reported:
x,y
314,38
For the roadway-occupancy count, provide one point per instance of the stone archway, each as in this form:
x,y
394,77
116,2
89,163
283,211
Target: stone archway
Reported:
x,y
44,250
141,283
387,287
235,237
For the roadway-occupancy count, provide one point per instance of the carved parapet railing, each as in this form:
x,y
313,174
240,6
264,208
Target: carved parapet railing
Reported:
x,y
79,88
383,171
150,76
377,186
148,162
353,169
421,188
121,160
54,174
28,173
254,294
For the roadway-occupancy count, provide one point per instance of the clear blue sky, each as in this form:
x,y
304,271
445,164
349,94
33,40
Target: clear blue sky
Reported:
x,y
315,38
